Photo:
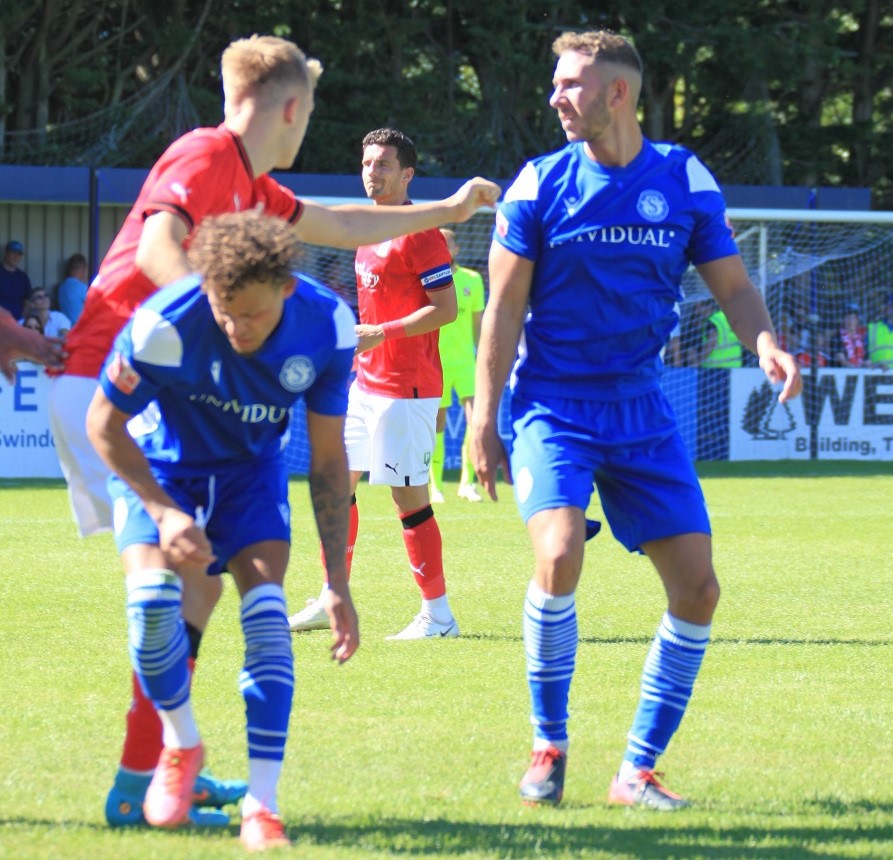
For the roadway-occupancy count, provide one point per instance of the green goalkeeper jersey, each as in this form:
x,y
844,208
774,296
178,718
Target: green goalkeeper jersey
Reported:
x,y
457,338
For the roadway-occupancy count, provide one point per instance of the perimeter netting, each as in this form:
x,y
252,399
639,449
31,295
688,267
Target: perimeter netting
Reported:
x,y
810,266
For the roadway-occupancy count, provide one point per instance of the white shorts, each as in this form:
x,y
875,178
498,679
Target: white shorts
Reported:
x,y
84,472
391,439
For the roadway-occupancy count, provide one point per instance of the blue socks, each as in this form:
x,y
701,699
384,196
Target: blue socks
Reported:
x,y
667,681
267,679
159,647
550,642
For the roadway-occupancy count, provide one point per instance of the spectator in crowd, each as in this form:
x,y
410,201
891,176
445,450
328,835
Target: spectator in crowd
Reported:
x,y
33,322
72,291
55,323
880,336
15,285
18,342
849,346
822,351
725,348
458,343
694,331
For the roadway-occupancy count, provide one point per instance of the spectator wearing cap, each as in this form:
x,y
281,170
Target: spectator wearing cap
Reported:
x,y
880,336
15,285
55,323
849,347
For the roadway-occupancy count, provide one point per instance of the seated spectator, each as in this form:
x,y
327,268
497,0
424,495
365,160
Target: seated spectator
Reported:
x,y
822,351
55,323
33,322
15,285
696,334
849,346
73,290
880,336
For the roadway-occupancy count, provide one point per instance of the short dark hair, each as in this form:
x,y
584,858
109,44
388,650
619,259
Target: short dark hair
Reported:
x,y
406,151
230,250
73,263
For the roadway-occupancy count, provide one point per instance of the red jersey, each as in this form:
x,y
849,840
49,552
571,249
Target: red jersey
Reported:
x,y
393,280
205,172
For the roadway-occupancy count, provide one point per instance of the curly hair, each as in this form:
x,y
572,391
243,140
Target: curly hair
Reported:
x,y
602,45
231,250
406,151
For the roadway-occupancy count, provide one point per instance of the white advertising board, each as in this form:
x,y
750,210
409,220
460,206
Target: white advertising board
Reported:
x,y
27,449
852,411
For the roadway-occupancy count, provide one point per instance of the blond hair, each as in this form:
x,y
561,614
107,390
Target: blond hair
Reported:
x,y
263,65
603,46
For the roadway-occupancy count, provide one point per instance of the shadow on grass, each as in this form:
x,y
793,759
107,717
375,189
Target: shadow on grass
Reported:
x,y
639,835
392,837
717,641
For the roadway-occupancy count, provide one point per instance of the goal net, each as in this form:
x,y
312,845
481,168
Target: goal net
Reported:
x,y
812,267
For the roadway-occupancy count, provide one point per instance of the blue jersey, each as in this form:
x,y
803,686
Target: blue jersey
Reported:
x,y
610,247
205,407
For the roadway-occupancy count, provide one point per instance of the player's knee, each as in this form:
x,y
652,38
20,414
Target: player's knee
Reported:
x,y
558,568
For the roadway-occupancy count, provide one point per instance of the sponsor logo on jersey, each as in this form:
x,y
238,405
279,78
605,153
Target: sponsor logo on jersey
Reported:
x,y
502,224
656,237
571,204
122,375
249,413
652,206
368,280
297,373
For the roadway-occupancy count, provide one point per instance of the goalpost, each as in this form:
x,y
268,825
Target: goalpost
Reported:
x,y
810,265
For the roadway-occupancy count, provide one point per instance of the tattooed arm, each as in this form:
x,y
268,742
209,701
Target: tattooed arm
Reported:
x,y
330,495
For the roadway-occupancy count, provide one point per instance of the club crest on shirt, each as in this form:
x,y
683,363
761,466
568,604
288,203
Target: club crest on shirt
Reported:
x,y
122,375
297,373
652,206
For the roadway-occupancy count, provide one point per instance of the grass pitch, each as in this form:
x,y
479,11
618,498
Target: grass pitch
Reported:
x,y
415,749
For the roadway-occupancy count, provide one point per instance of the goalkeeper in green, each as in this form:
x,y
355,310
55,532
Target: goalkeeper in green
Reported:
x,y
458,345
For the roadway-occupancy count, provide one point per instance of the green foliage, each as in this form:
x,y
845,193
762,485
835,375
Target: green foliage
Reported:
x,y
767,92
415,749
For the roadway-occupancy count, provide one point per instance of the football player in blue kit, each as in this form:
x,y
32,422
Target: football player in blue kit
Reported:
x,y
588,251
211,366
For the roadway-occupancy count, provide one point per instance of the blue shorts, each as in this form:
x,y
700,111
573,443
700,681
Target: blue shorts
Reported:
x,y
630,449
238,506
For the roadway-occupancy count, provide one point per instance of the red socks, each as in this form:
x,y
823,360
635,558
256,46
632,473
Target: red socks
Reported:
x,y
424,546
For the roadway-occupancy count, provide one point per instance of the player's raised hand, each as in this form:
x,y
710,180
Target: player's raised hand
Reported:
x,y
472,196
183,541
344,623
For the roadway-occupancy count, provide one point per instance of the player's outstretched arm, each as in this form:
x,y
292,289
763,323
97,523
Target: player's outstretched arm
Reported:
x,y
330,495
18,342
352,225
183,543
510,280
